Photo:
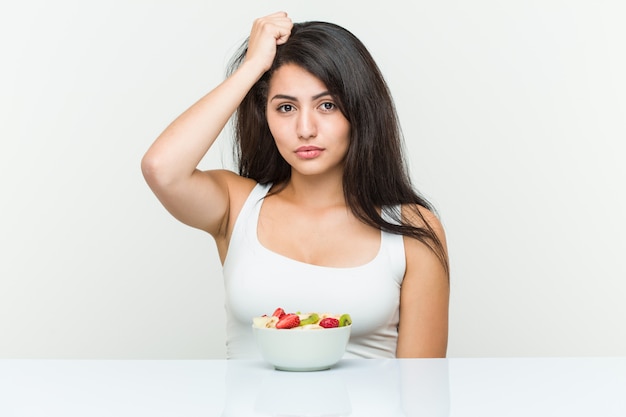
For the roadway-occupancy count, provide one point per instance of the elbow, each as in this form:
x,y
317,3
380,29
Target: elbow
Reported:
x,y
148,167
152,170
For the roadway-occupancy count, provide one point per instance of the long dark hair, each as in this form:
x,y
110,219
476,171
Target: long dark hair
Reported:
x,y
375,171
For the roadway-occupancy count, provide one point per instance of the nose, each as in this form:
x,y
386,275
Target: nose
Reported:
x,y
306,126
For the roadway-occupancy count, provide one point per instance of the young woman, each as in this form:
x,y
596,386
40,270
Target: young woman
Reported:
x,y
322,215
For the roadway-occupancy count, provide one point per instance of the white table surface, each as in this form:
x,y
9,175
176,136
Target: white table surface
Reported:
x,y
456,387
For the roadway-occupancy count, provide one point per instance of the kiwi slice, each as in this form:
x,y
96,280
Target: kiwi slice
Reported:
x,y
312,319
345,320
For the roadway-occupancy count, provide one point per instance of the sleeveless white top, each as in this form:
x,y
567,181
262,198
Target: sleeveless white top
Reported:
x,y
257,281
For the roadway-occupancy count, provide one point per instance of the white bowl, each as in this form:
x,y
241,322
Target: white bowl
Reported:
x,y
302,349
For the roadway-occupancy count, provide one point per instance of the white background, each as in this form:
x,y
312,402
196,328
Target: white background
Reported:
x,y
514,115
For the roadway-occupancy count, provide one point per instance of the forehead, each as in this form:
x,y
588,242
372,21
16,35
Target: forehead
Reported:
x,y
291,78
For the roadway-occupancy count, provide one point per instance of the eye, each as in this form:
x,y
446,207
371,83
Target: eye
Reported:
x,y
285,108
328,106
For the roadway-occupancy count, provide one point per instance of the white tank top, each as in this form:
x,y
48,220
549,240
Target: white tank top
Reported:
x,y
257,281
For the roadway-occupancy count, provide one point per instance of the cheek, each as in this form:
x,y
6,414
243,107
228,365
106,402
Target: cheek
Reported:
x,y
278,133
342,130
278,128
275,131
346,132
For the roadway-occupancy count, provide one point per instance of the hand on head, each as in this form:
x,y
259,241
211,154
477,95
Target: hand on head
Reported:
x,y
268,32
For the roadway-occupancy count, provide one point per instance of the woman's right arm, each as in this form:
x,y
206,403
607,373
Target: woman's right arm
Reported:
x,y
201,199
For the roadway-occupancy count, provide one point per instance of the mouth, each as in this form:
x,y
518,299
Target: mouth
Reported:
x,y
308,152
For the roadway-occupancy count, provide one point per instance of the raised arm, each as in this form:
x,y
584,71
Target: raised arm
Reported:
x,y
201,199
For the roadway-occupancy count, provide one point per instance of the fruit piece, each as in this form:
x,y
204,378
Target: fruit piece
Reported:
x,y
264,321
315,326
288,321
260,321
345,320
311,319
329,322
279,312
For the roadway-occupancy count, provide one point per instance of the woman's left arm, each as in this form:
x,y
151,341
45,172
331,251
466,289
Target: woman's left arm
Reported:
x,y
424,299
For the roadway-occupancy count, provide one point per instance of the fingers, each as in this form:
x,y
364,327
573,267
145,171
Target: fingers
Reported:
x,y
277,25
268,32
283,25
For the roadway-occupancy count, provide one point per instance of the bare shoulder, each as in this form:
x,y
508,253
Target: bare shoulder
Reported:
x,y
237,187
420,216
428,256
233,181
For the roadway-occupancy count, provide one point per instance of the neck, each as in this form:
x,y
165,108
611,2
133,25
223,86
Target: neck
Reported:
x,y
315,191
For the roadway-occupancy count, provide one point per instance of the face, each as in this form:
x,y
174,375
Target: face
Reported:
x,y
310,131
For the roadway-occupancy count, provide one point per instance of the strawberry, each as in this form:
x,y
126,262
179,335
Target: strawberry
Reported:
x,y
329,322
279,312
288,321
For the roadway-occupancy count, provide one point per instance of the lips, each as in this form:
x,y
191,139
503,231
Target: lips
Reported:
x,y
308,152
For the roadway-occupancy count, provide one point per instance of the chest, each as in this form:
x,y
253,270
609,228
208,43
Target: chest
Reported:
x,y
332,237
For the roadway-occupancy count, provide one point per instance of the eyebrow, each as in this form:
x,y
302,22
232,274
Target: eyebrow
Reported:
x,y
292,98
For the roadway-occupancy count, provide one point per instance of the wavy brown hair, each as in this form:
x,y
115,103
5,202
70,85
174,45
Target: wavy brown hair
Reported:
x,y
375,171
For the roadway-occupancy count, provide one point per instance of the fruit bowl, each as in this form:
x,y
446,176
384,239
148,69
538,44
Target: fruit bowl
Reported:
x,y
302,349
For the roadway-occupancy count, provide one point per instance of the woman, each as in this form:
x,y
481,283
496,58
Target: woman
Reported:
x,y
322,215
